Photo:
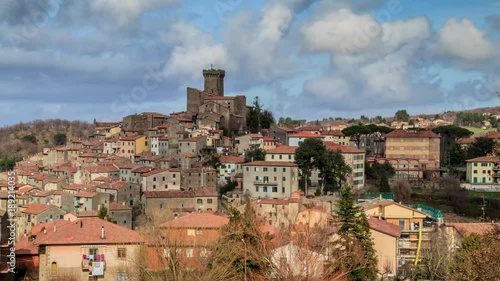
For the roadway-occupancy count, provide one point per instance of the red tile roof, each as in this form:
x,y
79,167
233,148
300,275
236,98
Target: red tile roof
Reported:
x,y
58,180
200,191
197,220
466,140
384,227
231,159
342,148
35,209
494,159
113,206
286,129
131,138
88,231
466,229
49,226
86,194
411,134
494,135
154,172
282,149
101,169
270,163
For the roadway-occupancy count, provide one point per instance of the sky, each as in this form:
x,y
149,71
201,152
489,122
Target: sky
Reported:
x,y
106,59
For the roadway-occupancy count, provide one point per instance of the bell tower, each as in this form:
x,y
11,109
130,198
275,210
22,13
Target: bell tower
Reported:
x,y
214,81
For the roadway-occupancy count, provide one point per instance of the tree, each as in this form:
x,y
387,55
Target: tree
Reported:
x,y
8,163
456,155
267,119
355,132
242,247
376,171
256,154
103,213
59,139
334,170
449,134
30,138
308,156
402,190
478,257
481,147
402,115
354,231
384,184
438,256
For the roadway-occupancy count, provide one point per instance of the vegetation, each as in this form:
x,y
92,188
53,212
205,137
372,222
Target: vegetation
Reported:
x,y
30,138
257,118
8,163
449,134
477,258
376,171
229,186
367,135
60,139
289,122
354,232
308,157
256,154
402,115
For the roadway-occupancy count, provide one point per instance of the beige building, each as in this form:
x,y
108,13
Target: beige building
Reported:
x,y
483,172
206,177
270,179
355,158
408,219
133,145
31,215
282,153
88,249
248,141
336,136
412,152
385,243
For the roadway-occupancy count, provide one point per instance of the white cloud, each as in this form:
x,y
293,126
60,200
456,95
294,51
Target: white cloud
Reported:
x,y
399,32
193,51
462,40
124,12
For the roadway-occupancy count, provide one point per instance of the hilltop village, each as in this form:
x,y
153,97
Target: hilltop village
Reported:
x,y
151,194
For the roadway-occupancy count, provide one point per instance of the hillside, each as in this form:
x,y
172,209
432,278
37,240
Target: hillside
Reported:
x,y
37,135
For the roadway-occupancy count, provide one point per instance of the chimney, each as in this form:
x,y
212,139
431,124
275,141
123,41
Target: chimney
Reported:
x,y
55,227
81,224
102,232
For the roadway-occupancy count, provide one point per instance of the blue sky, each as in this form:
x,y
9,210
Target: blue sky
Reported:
x,y
105,59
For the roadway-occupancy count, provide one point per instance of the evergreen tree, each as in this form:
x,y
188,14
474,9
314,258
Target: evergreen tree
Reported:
x,y
384,184
354,232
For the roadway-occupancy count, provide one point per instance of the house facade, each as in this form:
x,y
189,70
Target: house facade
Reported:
x,y
271,179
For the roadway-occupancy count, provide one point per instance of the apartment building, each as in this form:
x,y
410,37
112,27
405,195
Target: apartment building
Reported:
x,y
412,153
483,172
132,145
271,179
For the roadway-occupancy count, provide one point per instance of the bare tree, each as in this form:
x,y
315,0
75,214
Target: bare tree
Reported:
x,y
401,189
438,256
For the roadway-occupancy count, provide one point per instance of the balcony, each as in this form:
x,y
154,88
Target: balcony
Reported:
x,y
263,182
87,263
496,168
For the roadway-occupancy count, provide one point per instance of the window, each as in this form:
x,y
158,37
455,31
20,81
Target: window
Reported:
x,y
122,253
191,232
402,224
93,251
199,201
272,156
209,201
284,178
265,188
256,189
289,157
265,169
154,178
120,276
199,232
189,253
163,178
53,268
166,252
283,189
256,178
281,156
275,189
284,169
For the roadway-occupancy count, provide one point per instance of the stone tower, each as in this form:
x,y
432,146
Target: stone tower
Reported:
x,y
214,81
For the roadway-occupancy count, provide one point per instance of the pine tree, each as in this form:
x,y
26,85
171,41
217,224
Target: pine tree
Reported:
x,y
384,184
354,232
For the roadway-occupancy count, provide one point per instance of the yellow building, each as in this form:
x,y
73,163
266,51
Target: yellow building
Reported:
x,y
412,152
483,172
336,136
410,220
133,145
385,243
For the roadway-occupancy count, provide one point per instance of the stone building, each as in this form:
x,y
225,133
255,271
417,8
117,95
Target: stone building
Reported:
x,y
212,109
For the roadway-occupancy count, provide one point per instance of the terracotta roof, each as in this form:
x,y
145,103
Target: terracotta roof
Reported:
x,y
494,159
49,226
259,136
86,194
169,194
88,231
282,149
131,138
270,163
87,214
342,148
154,172
101,169
384,227
494,135
466,229
310,128
411,134
231,159
273,201
35,209
118,184
306,134
204,191
197,220
466,140
269,139
113,206
58,180
144,169
190,139
122,165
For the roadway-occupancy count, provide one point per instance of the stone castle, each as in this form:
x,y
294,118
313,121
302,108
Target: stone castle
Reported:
x,y
211,109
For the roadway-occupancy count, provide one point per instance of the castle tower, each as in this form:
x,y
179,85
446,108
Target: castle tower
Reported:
x,y
214,81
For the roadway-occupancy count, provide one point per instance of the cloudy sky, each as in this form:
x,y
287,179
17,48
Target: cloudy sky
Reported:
x,y
105,59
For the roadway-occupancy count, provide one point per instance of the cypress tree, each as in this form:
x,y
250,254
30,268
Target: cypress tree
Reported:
x,y
384,184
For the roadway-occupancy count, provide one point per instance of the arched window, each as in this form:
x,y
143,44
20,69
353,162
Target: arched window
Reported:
x,y
53,268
